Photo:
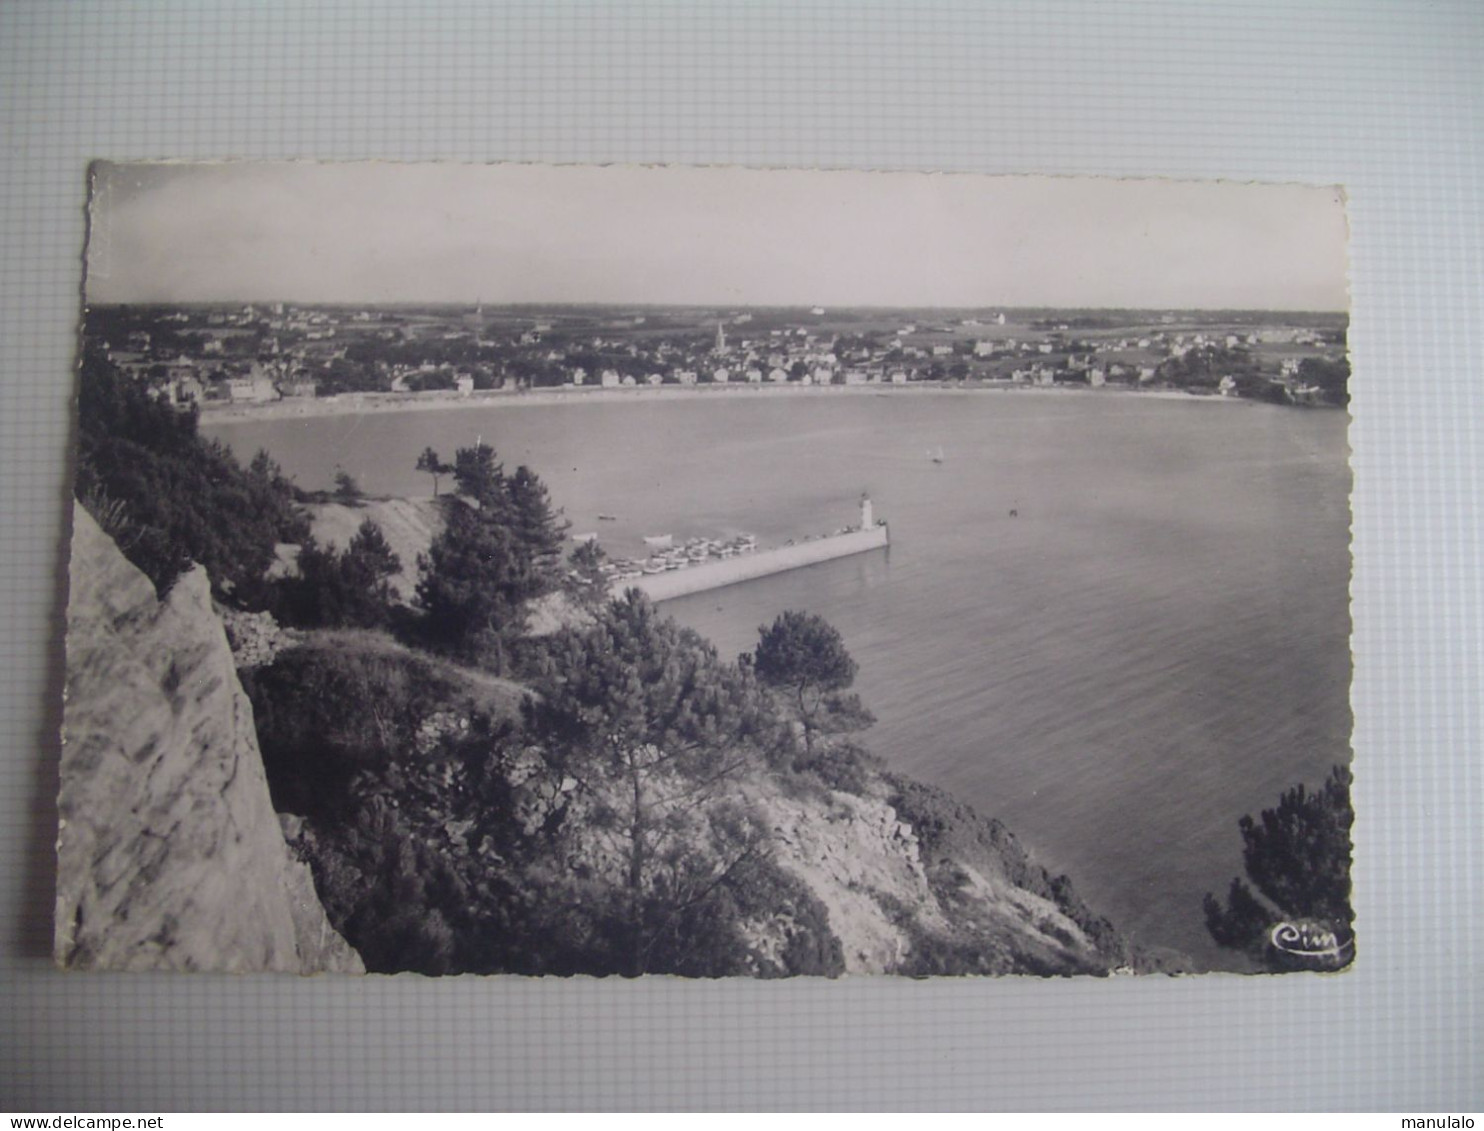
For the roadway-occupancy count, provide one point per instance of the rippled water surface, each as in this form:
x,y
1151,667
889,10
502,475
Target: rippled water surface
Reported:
x,y
1156,644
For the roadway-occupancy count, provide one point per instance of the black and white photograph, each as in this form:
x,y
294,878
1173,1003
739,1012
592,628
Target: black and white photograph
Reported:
x,y
708,572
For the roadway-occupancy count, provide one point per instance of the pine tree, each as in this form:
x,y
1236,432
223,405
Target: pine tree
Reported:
x,y
431,462
499,550
538,528
341,589
367,567
474,578
651,727
480,476
803,658
1298,858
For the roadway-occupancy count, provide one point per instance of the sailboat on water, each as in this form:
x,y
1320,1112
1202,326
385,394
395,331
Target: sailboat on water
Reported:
x,y
936,456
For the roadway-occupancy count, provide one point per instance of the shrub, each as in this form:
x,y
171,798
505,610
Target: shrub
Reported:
x,y
342,702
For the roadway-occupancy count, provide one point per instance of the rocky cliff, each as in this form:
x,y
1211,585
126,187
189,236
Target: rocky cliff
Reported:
x,y
897,906
170,855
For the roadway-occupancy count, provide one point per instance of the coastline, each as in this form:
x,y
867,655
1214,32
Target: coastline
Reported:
x,y
349,404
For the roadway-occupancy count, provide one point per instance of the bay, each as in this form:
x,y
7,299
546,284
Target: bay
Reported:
x,y
1153,644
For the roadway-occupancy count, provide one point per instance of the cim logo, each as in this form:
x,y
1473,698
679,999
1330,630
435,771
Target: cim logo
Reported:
x,y
1313,944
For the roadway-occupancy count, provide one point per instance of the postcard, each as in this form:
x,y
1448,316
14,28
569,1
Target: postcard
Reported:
x,y
711,572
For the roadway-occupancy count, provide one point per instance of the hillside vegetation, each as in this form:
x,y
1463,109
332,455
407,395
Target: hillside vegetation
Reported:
x,y
610,797
646,808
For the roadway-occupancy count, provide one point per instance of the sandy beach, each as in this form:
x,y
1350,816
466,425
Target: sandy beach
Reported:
x,y
350,404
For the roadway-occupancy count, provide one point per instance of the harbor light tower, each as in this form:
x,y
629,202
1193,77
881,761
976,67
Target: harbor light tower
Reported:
x,y
867,518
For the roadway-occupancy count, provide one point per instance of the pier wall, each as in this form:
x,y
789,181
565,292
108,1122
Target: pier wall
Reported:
x,y
746,567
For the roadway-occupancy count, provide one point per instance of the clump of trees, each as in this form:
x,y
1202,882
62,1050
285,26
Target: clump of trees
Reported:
x,y
347,490
173,497
603,828
349,588
500,549
1203,367
650,731
802,659
347,375
169,497
1331,378
1297,857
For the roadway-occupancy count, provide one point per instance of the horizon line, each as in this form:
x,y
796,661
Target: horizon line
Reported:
x,y
705,305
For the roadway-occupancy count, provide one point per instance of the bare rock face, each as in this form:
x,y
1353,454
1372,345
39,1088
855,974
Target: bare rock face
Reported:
x,y
170,855
865,863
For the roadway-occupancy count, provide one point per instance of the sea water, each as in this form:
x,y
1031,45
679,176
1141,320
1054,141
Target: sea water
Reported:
x,y
1116,622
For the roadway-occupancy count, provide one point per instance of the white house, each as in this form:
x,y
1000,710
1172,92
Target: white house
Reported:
x,y
251,390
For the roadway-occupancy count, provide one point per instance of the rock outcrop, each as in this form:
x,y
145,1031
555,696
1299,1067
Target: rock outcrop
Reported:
x,y
892,907
908,880
170,855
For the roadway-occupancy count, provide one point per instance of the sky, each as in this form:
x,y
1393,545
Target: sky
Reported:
x,y
382,232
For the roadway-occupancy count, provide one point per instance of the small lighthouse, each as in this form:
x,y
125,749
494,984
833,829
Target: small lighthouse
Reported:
x,y
868,520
